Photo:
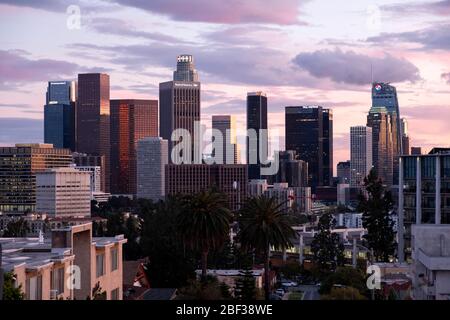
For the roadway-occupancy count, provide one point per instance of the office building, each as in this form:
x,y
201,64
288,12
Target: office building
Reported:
x,y
230,179
416,151
292,171
226,125
380,120
59,114
152,157
95,175
257,187
257,135
179,105
131,120
63,192
93,118
82,160
309,131
424,194
343,171
18,168
360,154
405,137
42,266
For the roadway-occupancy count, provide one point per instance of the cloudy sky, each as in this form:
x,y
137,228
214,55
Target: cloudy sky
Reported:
x,y
299,52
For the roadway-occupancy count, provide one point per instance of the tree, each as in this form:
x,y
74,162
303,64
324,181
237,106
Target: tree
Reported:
x,y
207,289
245,286
345,293
16,228
204,224
264,224
345,276
328,251
376,209
10,291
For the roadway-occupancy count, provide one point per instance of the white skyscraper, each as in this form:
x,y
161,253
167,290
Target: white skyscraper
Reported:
x,y
152,156
360,154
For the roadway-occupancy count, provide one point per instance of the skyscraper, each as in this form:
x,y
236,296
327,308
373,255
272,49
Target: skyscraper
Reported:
x,y
384,95
360,154
131,120
405,137
59,114
343,172
292,171
379,120
18,168
226,124
179,103
309,131
151,160
93,118
257,144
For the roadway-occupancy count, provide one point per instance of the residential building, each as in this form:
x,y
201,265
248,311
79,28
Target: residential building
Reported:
x,y
257,135
131,120
18,168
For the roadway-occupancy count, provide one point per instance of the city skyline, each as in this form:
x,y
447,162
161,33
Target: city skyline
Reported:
x,y
139,53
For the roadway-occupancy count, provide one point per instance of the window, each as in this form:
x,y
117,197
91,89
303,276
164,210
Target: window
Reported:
x,y
100,261
57,280
114,259
34,288
115,294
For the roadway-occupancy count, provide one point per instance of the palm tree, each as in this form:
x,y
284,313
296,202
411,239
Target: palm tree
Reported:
x,y
263,224
204,224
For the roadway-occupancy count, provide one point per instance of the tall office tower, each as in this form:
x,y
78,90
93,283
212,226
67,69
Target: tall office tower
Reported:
x,y
93,118
226,124
343,172
85,161
131,120
63,192
379,120
18,168
152,157
257,187
230,179
59,114
424,194
384,95
360,154
309,131
257,142
416,151
405,137
95,173
179,104
185,69
292,171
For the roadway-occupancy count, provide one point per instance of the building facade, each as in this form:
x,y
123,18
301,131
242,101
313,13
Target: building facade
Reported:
x,y
59,114
230,179
89,162
291,170
152,157
309,131
257,135
63,192
131,120
360,154
226,125
18,168
343,171
93,118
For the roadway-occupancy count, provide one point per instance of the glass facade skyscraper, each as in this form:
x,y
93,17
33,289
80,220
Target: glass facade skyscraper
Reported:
x,y
185,69
59,114
360,154
256,120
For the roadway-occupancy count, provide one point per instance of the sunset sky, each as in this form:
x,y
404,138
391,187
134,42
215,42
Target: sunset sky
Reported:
x,y
316,52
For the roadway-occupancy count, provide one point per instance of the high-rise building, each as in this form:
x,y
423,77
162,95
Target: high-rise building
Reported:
x,y
95,173
230,179
226,124
424,194
179,105
405,137
93,118
18,168
292,199
63,192
309,131
131,120
59,114
152,157
292,171
416,151
360,154
384,96
343,172
257,139
88,161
